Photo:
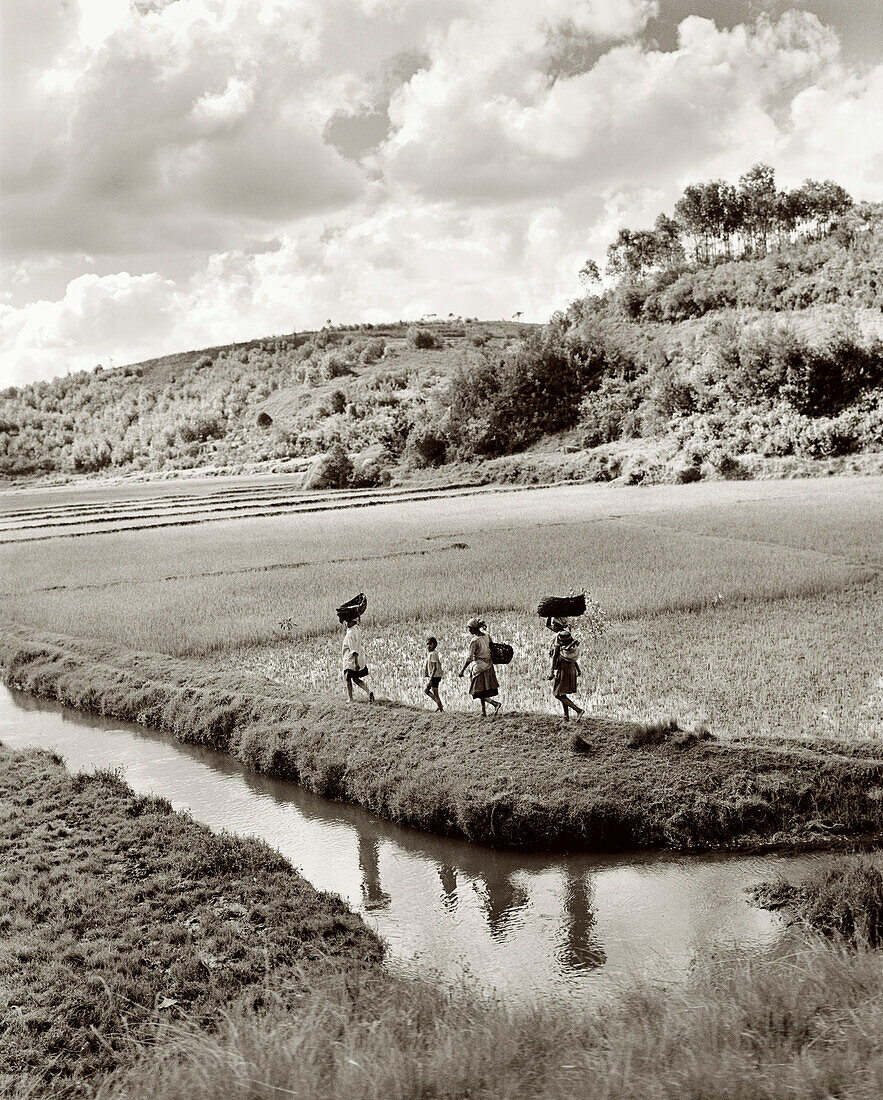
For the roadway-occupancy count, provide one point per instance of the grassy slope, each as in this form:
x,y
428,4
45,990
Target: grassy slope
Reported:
x,y
117,915
510,782
113,906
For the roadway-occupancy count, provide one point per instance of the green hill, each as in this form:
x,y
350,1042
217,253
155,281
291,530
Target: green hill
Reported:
x,y
742,331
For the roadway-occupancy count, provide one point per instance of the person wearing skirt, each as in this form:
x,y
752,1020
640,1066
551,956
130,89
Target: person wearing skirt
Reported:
x,y
483,684
564,652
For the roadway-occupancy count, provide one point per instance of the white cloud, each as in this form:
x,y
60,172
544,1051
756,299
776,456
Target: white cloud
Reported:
x,y
194,135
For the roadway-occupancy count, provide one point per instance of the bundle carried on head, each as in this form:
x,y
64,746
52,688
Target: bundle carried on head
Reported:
x,y
353,608
562,607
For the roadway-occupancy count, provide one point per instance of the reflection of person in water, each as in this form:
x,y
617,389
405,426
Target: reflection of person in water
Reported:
x,y
579,948
369,864
448,878
501,899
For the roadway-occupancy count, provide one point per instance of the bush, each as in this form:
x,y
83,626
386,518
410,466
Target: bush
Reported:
x,y
333,470
428,446
372,351
423,338
200,426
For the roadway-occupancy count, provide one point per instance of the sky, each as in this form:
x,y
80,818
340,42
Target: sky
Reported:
x,y
183,173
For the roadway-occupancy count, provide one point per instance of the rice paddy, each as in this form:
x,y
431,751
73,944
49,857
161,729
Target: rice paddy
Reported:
x,y
748,607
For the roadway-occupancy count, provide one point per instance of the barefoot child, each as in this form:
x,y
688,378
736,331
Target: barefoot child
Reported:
x,y
434,672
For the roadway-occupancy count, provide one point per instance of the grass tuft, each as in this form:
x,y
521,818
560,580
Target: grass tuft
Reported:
x,y
844,902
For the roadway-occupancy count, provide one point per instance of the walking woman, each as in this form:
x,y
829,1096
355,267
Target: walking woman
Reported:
x,y
355,669
564,653
483,685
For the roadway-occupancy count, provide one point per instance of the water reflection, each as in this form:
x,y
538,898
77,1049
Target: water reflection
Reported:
x,y
579,947
373,896
527,925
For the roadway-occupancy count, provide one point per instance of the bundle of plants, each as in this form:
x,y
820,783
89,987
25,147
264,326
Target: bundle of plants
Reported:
x,y
558,607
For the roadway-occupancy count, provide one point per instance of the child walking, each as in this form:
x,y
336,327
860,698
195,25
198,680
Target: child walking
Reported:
x,y
564,652
433,671
354,667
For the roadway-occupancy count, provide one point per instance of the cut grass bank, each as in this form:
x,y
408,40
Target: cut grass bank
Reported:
x,y
118,916
509,782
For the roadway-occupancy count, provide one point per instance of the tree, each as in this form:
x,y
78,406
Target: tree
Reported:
x,y
759,201
821,202
589,273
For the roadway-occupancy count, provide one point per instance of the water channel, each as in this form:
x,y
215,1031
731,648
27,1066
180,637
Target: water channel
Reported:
x,y
522,925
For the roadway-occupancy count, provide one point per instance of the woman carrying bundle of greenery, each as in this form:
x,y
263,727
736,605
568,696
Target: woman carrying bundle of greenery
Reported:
x,y
565,672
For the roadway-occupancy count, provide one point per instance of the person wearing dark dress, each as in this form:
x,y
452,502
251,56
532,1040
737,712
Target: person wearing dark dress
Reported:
x,y
564,653
483,684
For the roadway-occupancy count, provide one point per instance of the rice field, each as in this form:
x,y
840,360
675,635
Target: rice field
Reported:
x,y
750,607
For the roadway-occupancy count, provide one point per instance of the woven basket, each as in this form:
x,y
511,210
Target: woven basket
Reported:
x,y
501,653
353,608
562,607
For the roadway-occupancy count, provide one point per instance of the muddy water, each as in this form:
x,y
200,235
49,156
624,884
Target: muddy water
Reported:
x,y
525,926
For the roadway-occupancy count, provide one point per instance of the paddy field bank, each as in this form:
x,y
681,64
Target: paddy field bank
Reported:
x,y
146,956
745,610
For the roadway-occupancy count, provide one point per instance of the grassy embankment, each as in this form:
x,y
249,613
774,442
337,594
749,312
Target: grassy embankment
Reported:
x,y
119,917
147,957
705,625
512,782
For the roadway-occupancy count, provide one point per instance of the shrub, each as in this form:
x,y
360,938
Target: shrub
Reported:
x,y
428,446
264,420
423,338
372,351
200,426
333,470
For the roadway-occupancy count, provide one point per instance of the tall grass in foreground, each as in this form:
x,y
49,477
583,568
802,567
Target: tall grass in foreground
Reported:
x,y
808,1025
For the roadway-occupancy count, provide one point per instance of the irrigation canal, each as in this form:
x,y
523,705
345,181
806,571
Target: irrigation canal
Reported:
x,y
525,926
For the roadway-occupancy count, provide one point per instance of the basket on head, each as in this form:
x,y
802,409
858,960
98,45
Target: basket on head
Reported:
x,y
501,653
353,608
562,607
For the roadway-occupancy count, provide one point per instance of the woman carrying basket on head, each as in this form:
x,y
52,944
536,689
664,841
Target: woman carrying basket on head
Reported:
x,y
355,667
484,684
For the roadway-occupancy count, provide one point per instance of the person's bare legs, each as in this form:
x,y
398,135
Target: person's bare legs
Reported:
x,y
433,694
361,687
567,702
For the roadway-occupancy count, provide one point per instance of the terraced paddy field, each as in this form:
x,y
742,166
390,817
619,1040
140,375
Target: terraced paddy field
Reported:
x,y
747,606
750,609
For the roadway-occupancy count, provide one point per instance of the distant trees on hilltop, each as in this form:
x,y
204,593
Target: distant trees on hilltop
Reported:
x,y
716,220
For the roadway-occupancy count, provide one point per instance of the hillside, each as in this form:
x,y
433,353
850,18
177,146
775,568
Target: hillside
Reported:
x,y
743,331
271,400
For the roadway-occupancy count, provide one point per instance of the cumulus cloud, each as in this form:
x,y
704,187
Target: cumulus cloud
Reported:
x,y
96,318
270,165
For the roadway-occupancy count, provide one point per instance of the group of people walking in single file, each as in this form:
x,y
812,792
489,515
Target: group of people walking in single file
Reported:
x,y
484,686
